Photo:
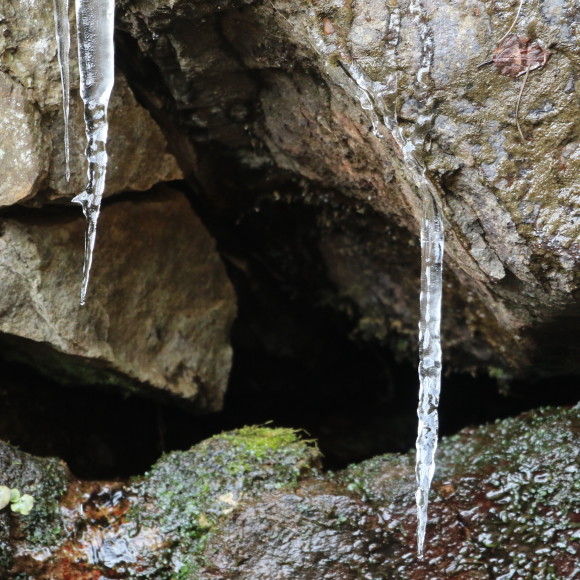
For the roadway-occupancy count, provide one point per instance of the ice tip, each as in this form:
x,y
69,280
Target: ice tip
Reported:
x,y
83,295
419,552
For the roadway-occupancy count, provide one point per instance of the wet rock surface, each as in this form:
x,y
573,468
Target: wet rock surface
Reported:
x,y
46,480
502,493
253,503
157,265
157,525
287,100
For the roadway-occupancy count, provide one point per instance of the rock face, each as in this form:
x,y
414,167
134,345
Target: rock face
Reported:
x,y
286,93
279,116
160,308
31,129
252,503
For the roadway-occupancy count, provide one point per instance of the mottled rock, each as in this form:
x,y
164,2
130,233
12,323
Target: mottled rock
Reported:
x,y
21,157
46,480
139,155
157,526
505,501
31,129
160,306
505,504
272,85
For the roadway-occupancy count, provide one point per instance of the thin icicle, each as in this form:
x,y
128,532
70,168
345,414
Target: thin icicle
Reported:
x,y
429,357
95,24
62,28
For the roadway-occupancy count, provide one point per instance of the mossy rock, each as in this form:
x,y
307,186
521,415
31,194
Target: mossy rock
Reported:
x,y
46,480
505,500
187,493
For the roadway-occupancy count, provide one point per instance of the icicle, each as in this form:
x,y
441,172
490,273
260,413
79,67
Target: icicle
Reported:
x,y
429,357
62,29
432,242
379,100
95,24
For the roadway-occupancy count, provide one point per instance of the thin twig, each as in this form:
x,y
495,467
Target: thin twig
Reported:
x,y
514,22
518,103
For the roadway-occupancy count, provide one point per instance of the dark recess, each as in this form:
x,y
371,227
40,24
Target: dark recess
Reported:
x,y
362,406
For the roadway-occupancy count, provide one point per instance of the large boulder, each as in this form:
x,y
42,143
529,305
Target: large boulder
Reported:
x,y
160,307
291,96
32,128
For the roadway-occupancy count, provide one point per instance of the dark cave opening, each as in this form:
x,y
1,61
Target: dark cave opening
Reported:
x,y
363,406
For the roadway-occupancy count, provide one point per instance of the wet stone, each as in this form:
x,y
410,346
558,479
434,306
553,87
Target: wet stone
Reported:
x,y
253,503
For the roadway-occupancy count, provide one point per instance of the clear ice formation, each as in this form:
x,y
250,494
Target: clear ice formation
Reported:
x,y
62,28
432,236
379,100
95,25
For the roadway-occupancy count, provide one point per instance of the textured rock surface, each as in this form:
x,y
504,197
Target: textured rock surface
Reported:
x,y
46,480
31,129
270,86
160,307
502,493
158,525
253,504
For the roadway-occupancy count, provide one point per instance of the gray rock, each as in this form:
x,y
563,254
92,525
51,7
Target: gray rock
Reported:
x,y
160,306
510,207
21,156
31,129
253,503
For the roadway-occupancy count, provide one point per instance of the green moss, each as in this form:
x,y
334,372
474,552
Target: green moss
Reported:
x,y
188,492
43,525
259,442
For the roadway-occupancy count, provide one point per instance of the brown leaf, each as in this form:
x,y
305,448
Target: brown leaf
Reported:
x,y
516,54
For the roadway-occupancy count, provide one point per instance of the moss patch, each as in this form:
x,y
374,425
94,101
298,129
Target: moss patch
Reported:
x,y
187,492
46,480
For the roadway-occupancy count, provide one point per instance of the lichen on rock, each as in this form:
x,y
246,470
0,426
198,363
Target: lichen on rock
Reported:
x,y
187,494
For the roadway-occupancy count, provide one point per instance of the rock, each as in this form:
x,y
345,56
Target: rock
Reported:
x,y
158,525
502,494
46,480
269,90
505,502
31,131
253,504
139,155
21,156
187,495
160,306
317,531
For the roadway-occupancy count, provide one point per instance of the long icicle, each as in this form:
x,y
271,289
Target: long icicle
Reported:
x,y
373,97
432,242
62,28
95,25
